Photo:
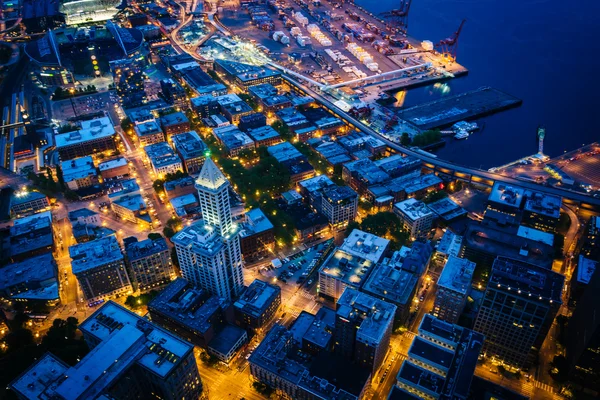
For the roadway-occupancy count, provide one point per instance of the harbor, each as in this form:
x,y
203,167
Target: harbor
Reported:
x,y
465,106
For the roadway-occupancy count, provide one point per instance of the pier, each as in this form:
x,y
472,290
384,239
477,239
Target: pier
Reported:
x,y
449,110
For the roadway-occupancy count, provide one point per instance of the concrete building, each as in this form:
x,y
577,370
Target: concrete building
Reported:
x,y
340,206
361,174
519,306
100,269
416,217
365,245
264,136
25,203
148,132
31,236
298,166
257,305
506,198
174,93
149,263
252,121
126,187
132,208
441,362
174,123
95,136
257,238
340,271
130,358
245,75
233,139
115,168
205,106
209,251
234,111
363,327
449,245
33,281
268,97
79,173
163,159
541,211
452,289
191,149
447,210
180,187
312,189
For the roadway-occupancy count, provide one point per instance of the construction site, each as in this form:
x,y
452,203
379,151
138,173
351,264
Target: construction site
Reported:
x,y
339,44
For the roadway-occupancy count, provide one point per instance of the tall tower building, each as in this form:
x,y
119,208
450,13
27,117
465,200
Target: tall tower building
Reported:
x,y
209,251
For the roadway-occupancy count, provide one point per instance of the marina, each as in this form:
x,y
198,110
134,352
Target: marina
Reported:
x,y
466,106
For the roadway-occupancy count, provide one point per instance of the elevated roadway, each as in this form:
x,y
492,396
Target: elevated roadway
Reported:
x,y
468,174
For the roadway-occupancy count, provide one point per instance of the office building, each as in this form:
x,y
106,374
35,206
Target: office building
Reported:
x,y
363,326
245,75
132,208
209,250
541,211
233,139
205,106
79,173
257,305
174,93
180,187
115,168
340,205
95,136
441,362
519,306
396,279
130,358
365,245
148,132
416,217
198,317
33,281
506,198
264,136
452,289
297,165
191,149
257,238
163,159
100,269
252,121
149,263
31,236
174,123
25,203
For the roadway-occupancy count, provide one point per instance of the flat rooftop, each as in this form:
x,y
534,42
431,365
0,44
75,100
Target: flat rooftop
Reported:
x,y
232,137
315,184
78,168
32,383
457,275
367,171
415,184
391,283
200,238
173,119
374,315
507,195
257,298
89,255
147,128
110,164
365,245
449,244
413,209
31,223
256,222
447,209
189,145
536,234
527,278
226,339
346,267
161,154
36,269
90,130
284,152
263,133
142,249
24,197
339,194
585,269
543,204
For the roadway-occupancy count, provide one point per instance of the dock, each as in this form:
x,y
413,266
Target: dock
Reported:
x,y
466,106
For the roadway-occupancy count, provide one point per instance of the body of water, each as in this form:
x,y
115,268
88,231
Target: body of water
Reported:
x,y
542,51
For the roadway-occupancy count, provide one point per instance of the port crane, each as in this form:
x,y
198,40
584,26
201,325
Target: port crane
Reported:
x,y
398,17
447,47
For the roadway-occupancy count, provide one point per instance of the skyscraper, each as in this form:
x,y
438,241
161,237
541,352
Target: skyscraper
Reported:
x,y
519,305
209,251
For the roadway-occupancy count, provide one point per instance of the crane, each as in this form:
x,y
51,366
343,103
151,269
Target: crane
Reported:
x,y
398,17
447,47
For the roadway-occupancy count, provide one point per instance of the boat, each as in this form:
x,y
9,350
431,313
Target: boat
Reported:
x,y
461,134
465,126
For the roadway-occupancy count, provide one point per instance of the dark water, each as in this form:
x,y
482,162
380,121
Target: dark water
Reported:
x,y
546,52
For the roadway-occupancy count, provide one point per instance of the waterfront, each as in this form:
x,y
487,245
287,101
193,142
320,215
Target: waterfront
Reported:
x,y
533,60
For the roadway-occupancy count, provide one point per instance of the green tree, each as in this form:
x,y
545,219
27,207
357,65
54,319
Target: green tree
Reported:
x,y
154,236
168,232
426,138
126,124
405,139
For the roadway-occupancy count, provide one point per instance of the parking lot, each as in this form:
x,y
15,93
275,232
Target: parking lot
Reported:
x,y
96,103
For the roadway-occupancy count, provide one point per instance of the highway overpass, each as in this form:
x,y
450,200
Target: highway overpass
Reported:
x,y
457,171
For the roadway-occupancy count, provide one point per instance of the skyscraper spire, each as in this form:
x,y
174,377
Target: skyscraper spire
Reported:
x,y
213,192
210,176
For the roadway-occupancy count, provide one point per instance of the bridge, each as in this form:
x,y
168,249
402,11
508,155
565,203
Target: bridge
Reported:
x,y
464,173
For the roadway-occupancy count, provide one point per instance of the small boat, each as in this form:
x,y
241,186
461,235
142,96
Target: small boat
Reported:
x,y
465,126
461,134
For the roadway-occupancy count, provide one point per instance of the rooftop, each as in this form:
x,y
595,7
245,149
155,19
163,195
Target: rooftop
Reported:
x,y
35,222
173,119
179,183
200,238
536,234
457,275
262,133
447,209
122,188
134,202
139,250
89,255
24,197
147,128
544,204
78,168
32,383
507,195
232,137
256,222
189,145
114,163
226,339
413,184
396,164
284,152
365,245
585,269
187,305
246,72
339,194
90,130
367,171
36,269
346,267
422,379
374,316
257,298
161,154
391,282
210,176
315,184
413,209
449,244
529,279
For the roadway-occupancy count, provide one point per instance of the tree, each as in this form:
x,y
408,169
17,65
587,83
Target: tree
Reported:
x,y
405,139
126,124
426,138
154,236
434,196
71,195
168,232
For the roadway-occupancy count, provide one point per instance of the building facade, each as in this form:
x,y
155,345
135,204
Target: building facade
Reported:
x,y
149,263
257,305
453,289
416,217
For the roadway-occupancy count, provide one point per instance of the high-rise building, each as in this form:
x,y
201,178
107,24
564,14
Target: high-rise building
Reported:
x,y
363,326
519,305
209,251
149,263
257,305
441,362
453,288
130,358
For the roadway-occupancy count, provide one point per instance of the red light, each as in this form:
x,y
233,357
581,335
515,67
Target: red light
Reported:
x,y
441,185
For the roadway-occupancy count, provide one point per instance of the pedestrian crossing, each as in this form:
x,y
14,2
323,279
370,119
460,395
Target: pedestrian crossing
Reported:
x,y
295,314
409,334
543,386
306,295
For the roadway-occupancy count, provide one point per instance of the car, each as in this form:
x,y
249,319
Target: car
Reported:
x,y
309,282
